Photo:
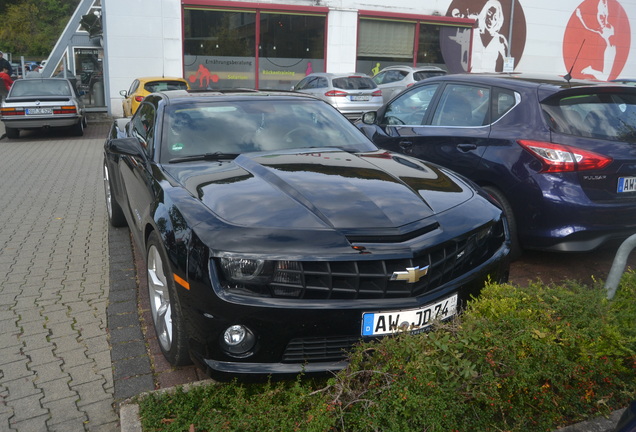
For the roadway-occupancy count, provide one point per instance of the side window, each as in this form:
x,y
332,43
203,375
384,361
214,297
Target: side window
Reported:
x,y
380,77
133,87
411,107
463,105
395,75
302,84
503,101
143,126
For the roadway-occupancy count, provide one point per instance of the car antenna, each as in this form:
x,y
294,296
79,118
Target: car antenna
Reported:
x,y
568,76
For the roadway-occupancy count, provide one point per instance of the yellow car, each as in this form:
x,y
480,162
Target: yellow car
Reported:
x,y
142,87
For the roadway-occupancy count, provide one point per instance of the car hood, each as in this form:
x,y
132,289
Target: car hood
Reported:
x,y
322,189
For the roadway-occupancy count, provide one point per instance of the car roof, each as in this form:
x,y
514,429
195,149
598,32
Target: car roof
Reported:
x,y
160,78
340,74
185,96
41,79
549,82
414,68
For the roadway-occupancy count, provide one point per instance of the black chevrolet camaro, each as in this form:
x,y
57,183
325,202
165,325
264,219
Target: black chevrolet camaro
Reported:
x,y
276,235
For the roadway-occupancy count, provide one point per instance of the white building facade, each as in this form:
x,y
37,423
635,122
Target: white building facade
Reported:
x,y
274,44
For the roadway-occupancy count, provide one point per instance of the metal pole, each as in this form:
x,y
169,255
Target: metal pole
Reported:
x,y
512,21
618,266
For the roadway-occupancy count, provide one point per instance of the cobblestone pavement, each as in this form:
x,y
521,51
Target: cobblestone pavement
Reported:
x,y
56,372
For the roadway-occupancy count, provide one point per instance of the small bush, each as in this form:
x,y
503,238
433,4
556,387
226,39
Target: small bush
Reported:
x,y
518,359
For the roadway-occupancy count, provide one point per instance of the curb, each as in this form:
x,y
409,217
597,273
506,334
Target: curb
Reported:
x,y
129,409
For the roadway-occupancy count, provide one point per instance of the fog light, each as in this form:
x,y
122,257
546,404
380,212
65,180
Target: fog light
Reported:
x,y
238,341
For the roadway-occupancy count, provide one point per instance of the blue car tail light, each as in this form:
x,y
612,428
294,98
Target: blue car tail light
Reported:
x,y
562,158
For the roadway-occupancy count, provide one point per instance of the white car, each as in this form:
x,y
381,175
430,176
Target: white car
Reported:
x,y
35,103
352,94
393,79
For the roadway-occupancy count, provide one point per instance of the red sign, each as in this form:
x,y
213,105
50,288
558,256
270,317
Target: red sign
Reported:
x,y
597,40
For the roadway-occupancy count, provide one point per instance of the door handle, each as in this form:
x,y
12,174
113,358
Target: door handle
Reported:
x,y
406,146
466,147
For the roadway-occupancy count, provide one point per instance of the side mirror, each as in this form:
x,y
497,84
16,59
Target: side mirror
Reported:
x,y
369,117
124,93
126,146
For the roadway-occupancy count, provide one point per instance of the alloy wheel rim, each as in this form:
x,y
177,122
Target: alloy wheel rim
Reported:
x,y
109,205
159,298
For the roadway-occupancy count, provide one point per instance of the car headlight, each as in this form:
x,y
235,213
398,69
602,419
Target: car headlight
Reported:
x,y
262,277
242,270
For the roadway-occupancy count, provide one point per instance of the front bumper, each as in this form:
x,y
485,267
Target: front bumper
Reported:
x,y
295,336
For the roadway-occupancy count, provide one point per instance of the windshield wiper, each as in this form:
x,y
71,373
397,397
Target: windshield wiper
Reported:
x,y
206,156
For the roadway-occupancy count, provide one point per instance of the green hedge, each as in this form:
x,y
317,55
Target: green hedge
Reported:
x,y
518,359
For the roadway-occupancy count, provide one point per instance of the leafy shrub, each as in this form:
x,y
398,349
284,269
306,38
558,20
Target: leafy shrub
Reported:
x,y
518,359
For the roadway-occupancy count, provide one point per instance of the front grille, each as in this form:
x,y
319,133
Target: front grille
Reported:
x,y
318,349
371,279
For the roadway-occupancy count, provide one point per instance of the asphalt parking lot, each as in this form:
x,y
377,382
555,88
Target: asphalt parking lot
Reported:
x,y
76,337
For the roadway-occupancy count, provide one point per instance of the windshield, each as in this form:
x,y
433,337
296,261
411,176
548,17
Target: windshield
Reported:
x,y
247,125
609,116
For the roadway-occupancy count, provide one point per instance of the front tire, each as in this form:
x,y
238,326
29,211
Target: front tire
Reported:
x,y
165,309
115,213
515,245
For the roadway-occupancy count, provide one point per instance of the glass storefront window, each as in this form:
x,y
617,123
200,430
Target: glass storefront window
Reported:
x,y
429,52
89,75
219,49
384,43
290,47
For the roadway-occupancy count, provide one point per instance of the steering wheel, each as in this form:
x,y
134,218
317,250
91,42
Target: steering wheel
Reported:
x,y
289,137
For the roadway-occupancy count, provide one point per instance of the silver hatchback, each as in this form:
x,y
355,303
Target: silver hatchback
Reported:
x,y
352,94
393,79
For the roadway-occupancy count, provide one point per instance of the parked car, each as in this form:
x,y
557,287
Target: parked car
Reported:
x,y
276,235
627,421
393,79
35,103
558,155
142,87
351,93
16,71
628,81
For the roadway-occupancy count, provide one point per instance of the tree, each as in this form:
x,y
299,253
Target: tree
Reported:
x,y
31,27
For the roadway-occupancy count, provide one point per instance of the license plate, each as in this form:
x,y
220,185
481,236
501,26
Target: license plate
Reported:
x,y
627,184
360,98
39,111
410,320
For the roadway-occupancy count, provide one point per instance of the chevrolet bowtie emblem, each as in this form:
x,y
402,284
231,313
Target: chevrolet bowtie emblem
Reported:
x,y
411,275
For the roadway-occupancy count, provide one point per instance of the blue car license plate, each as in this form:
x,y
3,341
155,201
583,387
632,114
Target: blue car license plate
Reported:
x,y
410,320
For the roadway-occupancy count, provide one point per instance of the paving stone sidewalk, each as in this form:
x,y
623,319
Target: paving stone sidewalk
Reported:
x,y
55,361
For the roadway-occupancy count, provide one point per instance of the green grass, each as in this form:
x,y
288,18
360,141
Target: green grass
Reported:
x,y
518,359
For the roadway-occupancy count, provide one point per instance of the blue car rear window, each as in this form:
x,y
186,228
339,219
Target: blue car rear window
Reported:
x,y
609,116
